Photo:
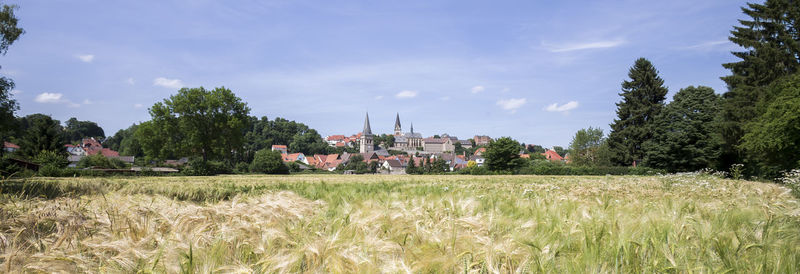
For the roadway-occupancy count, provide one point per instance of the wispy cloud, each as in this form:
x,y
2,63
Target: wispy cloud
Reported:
x,y
54,98
406,94
562,108
87,102
512,104
477,89
582,45
445,98
710,45
130,81
86,58
378,97
168,83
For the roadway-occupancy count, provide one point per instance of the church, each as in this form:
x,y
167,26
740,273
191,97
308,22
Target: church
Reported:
x,y
406,141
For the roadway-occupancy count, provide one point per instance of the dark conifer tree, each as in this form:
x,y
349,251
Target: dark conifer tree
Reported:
x,y
642,100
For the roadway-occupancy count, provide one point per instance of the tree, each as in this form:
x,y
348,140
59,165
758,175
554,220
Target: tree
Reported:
x,y
9,32
685,136
42,133
77,130
584,148
501,154
269,162
535,149
642,100
771,42
125,142
411,168
196,122
308,142
560,150
774,137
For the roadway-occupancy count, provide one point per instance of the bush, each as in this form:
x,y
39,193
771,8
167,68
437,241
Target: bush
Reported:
x,y
269,162
53,158
241,168
545,167
100,161
197,167
50,171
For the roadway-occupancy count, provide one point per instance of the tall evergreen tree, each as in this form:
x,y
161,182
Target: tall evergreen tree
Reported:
x,y
685,137
771,39
642,100
42,134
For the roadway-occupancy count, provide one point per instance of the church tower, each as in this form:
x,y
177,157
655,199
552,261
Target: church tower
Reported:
x,y
366,137
398,130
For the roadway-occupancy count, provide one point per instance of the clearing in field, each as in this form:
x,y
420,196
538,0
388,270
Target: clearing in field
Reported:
x,y
325,223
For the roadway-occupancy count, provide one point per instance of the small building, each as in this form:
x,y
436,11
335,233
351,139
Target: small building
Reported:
x,y
295,157
438,145
281,148
394,166
480,151
552,155
10,147
481,140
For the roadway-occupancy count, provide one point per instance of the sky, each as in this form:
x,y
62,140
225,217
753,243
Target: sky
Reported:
x,y
537,71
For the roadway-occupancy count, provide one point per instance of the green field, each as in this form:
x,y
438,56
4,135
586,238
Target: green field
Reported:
x,y
369,224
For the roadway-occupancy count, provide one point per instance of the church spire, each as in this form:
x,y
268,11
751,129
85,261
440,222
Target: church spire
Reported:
x,y
412,127
398,130
367,130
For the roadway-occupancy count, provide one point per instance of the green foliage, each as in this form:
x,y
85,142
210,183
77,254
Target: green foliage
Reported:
x,y
76,130
585,146
560,150
386,140
263,133
50,171
411,168
535,149
125,142
41,133
241,168
9,32
774,137
198,167
685,137
196,122
57,159
269,162
769,38
100,161
356,164
501,154
545,167
309,142
642,100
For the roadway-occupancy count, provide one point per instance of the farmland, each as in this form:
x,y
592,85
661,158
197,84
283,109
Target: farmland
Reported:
x,y
364,223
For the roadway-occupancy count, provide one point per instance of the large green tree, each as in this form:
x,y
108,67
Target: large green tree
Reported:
x,y
42,133
125,142
196,122
268,161
770,38
774,137
643,98
685,137
76,130
9,32
503,155
585,146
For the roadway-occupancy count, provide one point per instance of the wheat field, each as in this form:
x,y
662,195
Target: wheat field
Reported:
x,y
392,224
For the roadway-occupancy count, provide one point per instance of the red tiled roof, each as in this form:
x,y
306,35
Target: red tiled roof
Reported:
x,y
527,156
109,153
335,138
10,145
291,157
552,155
278,146
480,151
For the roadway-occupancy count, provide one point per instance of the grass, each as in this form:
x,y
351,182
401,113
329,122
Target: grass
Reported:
x,y
367,224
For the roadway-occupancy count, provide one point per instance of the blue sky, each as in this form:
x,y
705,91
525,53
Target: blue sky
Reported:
x,y
534,70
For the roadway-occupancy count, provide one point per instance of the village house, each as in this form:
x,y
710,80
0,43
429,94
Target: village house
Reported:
x,y
481,140
10,147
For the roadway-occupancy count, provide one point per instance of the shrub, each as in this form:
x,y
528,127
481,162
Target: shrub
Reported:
x,y
53,158
269,162
50,170
100,161
241,168
197,167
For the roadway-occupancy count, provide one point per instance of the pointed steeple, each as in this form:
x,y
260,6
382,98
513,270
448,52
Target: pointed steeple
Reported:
x,y
398,130
367,130
412,127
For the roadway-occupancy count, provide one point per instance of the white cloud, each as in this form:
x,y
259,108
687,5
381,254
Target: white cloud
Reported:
x,y
137,105
378,97
477,89
406,94
583,46
87,102
130,81
168,83
562,108
15,91
710,45
445,98
86,58
512,104
49,98
54,98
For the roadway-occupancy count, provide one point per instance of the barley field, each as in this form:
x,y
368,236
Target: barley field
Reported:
x,y
391,224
